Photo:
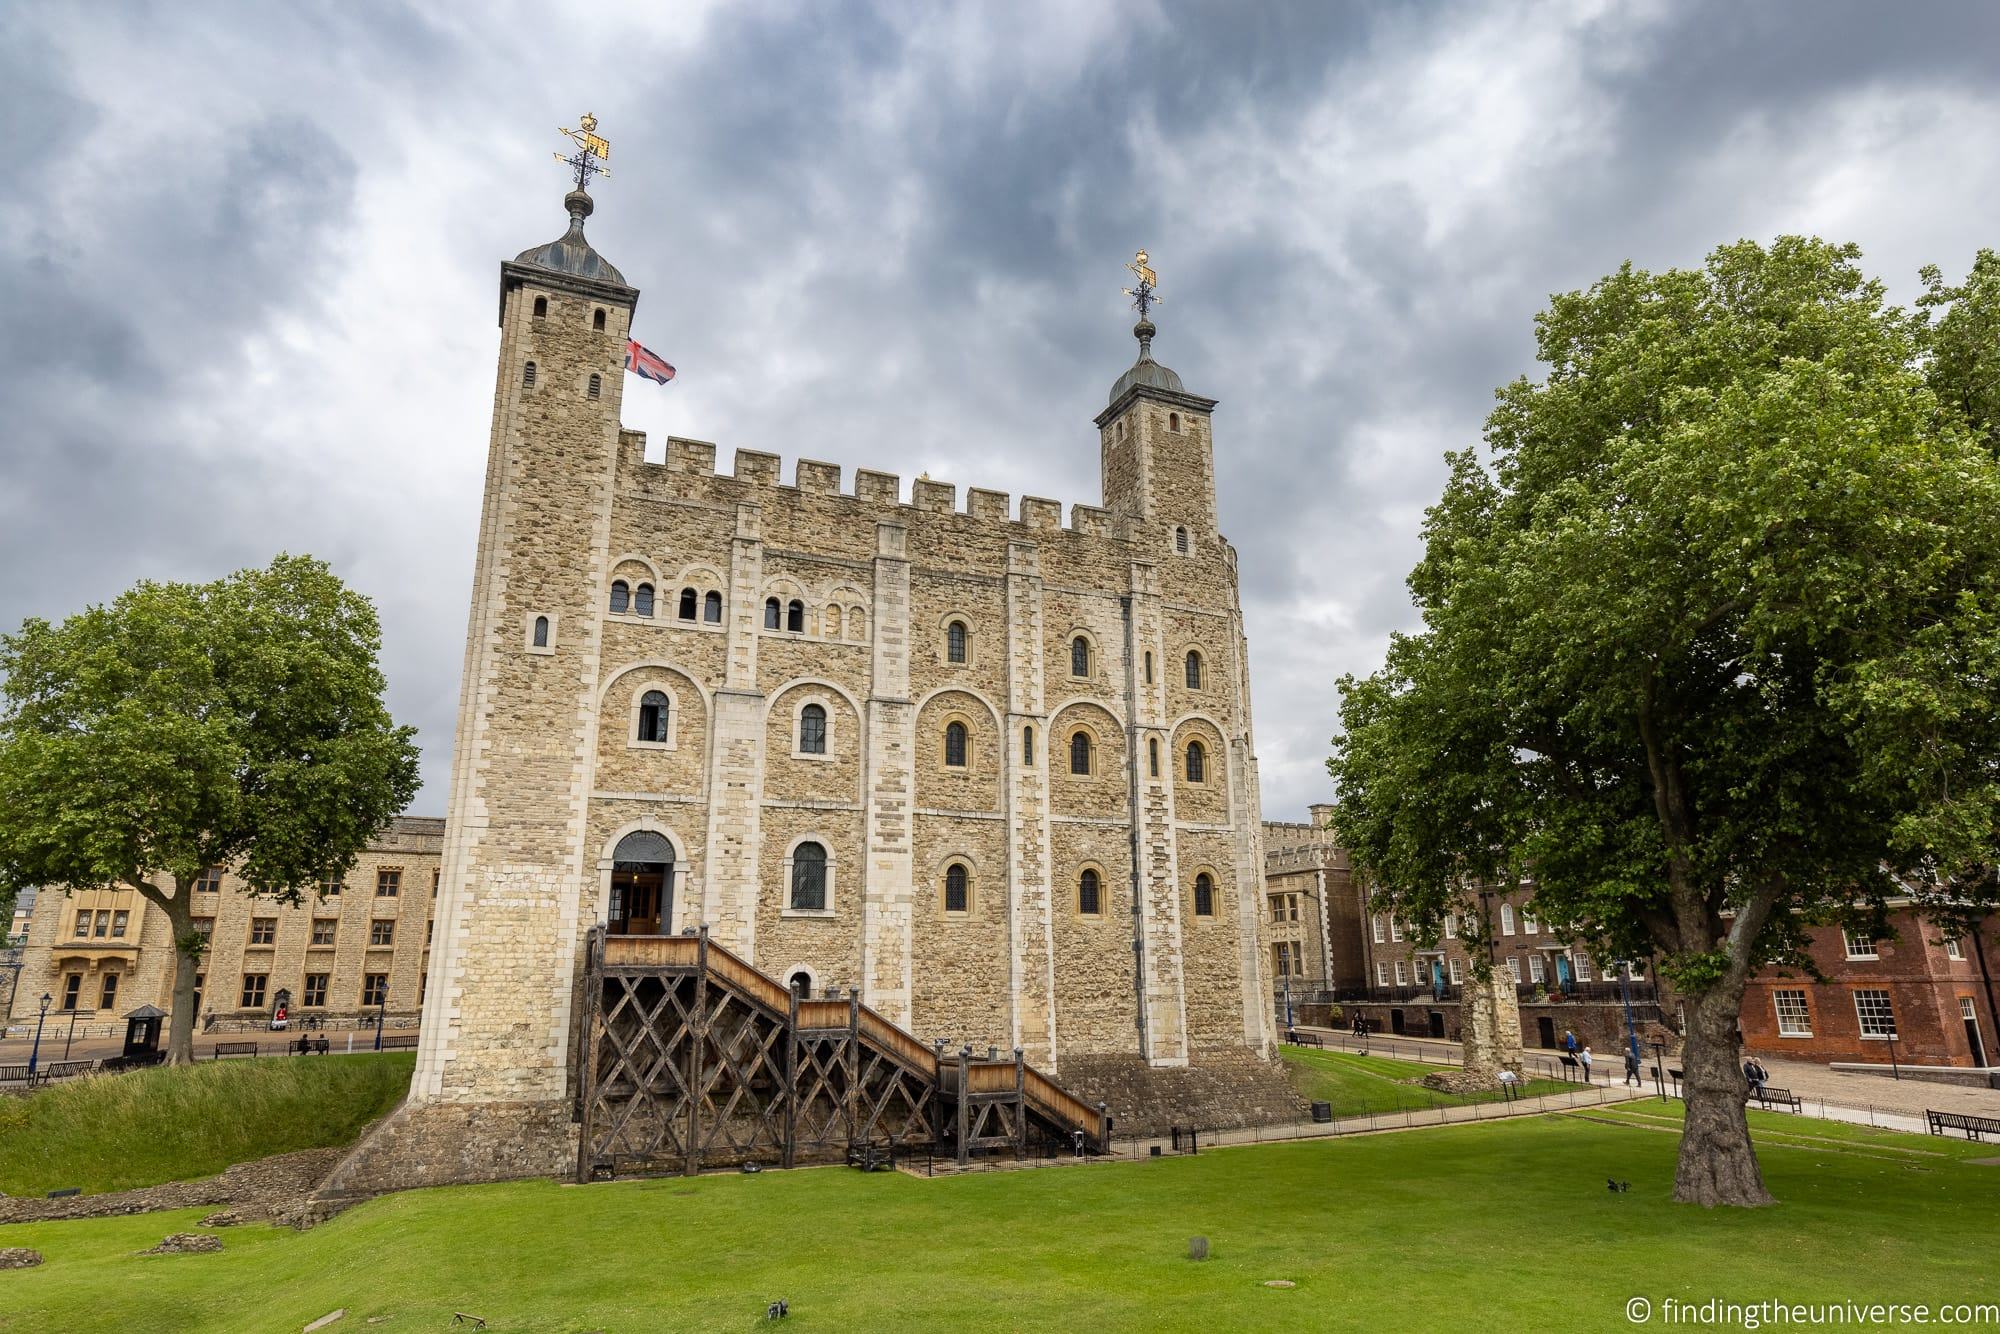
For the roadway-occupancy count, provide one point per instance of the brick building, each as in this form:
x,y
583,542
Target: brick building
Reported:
x,y
1935,996
362,946
991,768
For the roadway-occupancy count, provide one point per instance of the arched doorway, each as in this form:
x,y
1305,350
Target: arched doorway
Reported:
x,y
802,984
642,885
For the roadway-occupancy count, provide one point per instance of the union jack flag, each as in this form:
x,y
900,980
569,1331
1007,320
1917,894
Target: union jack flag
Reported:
x,y
646,363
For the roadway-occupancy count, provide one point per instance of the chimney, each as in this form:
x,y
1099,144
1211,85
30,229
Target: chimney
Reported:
x,y
1322,816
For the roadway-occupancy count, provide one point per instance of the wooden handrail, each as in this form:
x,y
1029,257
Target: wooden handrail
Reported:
x,y
1054,1098
651,951
822,1014
900,1044
995,1078
753,982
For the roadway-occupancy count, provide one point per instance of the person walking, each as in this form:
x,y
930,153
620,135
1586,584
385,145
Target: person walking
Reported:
x,y
1584,1058
1569,1041
1757,1076
1632,1069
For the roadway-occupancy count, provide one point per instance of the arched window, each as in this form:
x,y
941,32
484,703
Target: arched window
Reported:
x,y
1079,753
795,616
1181,541
653,716
809,877
1174,422
1193,670
642,600
1089,893
830,622
528,376
597,321
541,307
688,598
1197,763
711,608
1079,656
1204,895
954,745
621,596
771,613
541,632
812,730
1027,745
1153,756
596,386
954,642
857,623
801,982
957,888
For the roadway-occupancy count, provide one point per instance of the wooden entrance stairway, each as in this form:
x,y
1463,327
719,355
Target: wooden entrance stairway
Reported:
x,y
693,1058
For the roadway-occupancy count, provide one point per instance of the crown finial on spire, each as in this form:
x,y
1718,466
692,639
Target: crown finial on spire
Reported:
x,y
591,151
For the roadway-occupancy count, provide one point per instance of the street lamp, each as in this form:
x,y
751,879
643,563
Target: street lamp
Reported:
x,y
381,1012
47,1000
1625,995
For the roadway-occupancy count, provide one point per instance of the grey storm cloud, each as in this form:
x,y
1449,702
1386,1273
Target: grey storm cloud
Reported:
x,y
247,269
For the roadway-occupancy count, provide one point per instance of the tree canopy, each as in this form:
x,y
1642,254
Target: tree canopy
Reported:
x,y
237,723
1711,637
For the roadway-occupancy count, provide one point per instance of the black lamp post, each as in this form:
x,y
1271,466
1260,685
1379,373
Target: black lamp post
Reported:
x,y
71,1036
1660,1069
381,1012
1894,1071
35,1054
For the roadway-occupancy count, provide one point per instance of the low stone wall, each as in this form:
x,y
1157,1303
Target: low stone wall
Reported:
x,y
1221,1089
1597,1024
267,1188
453,1144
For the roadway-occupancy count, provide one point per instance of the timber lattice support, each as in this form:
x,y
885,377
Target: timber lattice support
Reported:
x,y
692,1058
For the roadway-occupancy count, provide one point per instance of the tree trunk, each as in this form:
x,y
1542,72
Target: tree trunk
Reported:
x,y
180,926
1717,1163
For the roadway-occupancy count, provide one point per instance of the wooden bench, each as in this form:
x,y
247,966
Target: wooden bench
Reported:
x,y
401,1042
1781,1097
66,1069
1975,1127
18,1074
223,1049
1298,1039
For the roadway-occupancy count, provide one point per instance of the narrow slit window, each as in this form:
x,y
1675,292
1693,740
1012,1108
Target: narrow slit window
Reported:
x,y
1027,745
596,386
957,888
1079,753
1089,893
1181,541
1079,656
541,632
954,745
1153,756
954,642
1174,422
597,321
541,307
1193,670
1204,895
1197,762
528,376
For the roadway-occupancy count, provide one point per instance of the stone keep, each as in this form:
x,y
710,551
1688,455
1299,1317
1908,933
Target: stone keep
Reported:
x,y
956,656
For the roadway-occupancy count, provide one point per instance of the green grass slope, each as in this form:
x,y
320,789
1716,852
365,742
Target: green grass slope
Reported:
x,y
1500,1226
115,1132
1360,1085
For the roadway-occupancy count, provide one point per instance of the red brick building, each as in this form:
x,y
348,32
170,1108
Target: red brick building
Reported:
x,y
1935,996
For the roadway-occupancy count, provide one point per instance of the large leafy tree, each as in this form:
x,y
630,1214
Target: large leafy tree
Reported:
x,y
237,723
1710,645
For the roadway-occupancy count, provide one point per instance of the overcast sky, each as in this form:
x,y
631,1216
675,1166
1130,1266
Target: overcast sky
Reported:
x,y
249,258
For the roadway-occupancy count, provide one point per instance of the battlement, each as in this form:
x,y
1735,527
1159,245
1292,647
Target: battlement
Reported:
x,y
755,467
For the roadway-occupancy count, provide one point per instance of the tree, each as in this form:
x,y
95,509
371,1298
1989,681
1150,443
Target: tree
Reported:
x,y
1710,646
238,723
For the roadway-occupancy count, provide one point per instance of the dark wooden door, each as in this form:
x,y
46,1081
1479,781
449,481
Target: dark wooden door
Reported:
x,y
641,901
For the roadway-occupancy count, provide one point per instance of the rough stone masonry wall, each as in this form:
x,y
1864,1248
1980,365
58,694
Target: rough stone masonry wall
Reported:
x,y
1220,1088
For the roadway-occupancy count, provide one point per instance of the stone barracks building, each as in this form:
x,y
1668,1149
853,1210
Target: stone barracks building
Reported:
x,y
987,765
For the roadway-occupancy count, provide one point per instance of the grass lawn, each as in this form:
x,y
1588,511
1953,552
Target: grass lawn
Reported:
x,y
114,1132
1503,1226
1358,1085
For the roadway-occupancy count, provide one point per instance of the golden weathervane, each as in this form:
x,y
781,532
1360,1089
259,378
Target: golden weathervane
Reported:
x,y
1147,294
591,151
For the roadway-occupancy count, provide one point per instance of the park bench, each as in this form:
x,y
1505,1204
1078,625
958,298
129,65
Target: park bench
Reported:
x,y
401,1042
66,1069
16,1074
1975,1127
223,1049
1298,1039
1781,1097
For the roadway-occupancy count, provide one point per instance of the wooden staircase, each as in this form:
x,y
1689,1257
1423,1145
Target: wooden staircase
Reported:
x,y
693,1058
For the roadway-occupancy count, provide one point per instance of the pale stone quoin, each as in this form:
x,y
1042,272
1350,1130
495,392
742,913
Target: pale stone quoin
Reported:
x,y
952,756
